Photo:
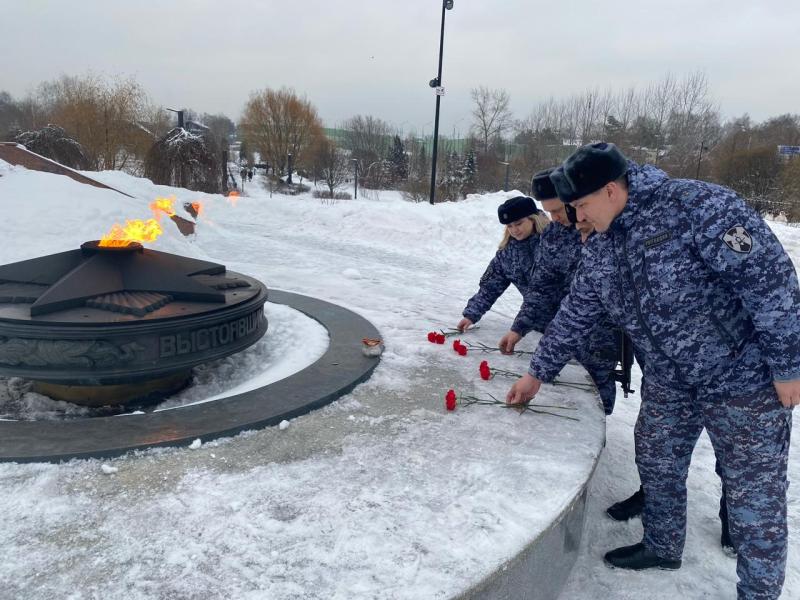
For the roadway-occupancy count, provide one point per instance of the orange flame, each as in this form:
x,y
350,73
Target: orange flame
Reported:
x,y
134,231
197,207
233,198
163,205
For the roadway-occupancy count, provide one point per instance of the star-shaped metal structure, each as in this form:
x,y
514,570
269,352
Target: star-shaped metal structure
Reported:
x,y
76,276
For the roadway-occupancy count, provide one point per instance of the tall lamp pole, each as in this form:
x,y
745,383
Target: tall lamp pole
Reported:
x,y
507,164
355,177
699,158
437,83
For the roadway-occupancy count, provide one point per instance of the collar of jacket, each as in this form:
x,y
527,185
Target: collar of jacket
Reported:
x,y
643,181
531,240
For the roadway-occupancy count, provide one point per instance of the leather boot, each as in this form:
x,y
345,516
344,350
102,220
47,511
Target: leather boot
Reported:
x,y
637,558
628,508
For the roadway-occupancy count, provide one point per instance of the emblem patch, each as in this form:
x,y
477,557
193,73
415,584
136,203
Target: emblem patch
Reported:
x,y
738,239
487,275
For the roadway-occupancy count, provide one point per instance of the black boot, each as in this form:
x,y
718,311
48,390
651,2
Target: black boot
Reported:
x,y
637,558
628,508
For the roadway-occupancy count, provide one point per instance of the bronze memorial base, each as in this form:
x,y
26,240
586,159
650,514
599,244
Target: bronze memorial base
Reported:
x,y
95,396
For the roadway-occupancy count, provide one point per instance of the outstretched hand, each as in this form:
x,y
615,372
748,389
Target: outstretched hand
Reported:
x,y
523,391
788,392
508,341
464,324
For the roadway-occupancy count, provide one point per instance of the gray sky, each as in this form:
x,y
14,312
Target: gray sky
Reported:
x,y
375,57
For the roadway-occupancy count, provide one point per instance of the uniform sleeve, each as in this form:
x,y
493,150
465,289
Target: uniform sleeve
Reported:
x,y
492,285
571,327
535,313
736,243
556,258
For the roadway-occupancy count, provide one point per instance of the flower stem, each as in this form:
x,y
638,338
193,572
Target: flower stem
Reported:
x,y
484,348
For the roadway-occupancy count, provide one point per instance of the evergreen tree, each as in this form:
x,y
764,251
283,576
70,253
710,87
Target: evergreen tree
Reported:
x,y
398,160
469,174
422,163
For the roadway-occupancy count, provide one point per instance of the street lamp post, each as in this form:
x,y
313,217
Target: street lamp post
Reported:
x,y
289,160
355,177
437,83
699,158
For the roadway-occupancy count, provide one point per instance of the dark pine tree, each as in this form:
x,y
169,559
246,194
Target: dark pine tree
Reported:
x,y
398,160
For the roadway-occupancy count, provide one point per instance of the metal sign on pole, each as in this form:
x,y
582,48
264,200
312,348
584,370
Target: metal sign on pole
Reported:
x,y
788,150
440,91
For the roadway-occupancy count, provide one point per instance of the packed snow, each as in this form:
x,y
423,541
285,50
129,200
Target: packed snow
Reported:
x,y
382,494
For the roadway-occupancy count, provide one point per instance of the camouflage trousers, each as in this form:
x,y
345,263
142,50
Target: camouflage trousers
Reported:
x,y
750,435
599,357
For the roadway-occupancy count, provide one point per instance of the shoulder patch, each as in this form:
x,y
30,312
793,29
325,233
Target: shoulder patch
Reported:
x,y
487,275
659,239
738,239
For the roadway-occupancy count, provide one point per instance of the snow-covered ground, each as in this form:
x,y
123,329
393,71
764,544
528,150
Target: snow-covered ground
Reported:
x,y
380,495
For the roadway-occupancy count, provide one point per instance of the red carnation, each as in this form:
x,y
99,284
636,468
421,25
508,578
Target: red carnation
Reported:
x,y
439,338
462,350
432,337
450,400
485,371
456,344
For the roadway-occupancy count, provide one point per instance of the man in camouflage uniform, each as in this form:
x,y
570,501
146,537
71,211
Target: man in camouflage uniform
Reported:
x,y
707,293
557,258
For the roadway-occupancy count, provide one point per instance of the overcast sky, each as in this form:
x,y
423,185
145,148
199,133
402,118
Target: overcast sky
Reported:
x,y
376,57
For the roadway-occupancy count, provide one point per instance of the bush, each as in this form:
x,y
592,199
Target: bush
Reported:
x,y
416,190
186,160
53,142
336,196
292,189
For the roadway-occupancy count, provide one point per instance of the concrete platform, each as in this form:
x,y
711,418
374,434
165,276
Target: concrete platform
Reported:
x,y
380,495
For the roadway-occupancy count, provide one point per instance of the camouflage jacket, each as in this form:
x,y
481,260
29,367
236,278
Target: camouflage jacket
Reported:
x,y
698,281
512,264
557,258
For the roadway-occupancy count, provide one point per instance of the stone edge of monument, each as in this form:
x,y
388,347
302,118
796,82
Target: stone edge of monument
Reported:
x,y
541,569
335,373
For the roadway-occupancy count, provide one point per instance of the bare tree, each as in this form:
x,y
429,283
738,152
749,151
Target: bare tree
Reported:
x,y
589,110
491,114
279,122
368,139
220,127
659,102
102,114
625,107
333,165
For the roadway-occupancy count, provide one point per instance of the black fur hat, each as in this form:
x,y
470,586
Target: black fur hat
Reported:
x,y
572,215
587,170
541,186
515,209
